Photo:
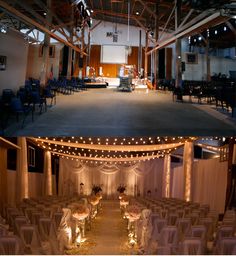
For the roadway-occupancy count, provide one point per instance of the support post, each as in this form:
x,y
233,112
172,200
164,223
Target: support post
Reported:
x,y
48,173
188,166
208,61
156,55
146,57
140,51
3,178
166,176
22,178
178,67
45,70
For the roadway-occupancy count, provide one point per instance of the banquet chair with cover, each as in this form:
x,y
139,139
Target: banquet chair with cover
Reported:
x,y
199,231
30,238
172,218
191,246
19,220
159,224
10,245
3,231
208,223
168,242
225,246
47,235
184,226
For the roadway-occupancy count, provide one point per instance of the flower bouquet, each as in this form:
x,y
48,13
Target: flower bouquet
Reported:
x,y
80,211
133,212
121,189
99,195
124,201
93,200
96,189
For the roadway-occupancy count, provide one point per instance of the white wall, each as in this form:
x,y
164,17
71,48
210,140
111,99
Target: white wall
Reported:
x,y
209,182
35,63
35,185
15,48
98,35
217,64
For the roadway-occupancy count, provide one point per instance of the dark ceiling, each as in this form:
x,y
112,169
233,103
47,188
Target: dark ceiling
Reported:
x,y
142,14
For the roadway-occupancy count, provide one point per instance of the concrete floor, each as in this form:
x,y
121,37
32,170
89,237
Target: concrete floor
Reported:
x,y
106,112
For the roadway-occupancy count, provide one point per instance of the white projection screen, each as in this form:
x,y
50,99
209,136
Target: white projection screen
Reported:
x,y
113,54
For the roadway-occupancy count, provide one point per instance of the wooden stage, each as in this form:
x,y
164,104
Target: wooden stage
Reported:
x,y
96,85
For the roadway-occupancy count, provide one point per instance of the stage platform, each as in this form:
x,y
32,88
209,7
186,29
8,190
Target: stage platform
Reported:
x,y
96,85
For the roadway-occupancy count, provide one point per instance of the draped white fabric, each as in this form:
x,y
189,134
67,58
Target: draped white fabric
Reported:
x,y
209,180
22,170
47,173
138,178
177,190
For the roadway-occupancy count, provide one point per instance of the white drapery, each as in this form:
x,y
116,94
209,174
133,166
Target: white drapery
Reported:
x,y
188,165
166,176
22,170
138,178
47,170
209,181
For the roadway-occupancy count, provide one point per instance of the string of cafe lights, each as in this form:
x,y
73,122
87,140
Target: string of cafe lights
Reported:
x,y
84,148
127,149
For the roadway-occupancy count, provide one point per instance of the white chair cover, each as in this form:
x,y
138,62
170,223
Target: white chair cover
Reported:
x,y
146,229
64,235
57,216
168,242
47,234
223,232
30,238
3,231
208,223
226,246
10,245
172,218
19,220
191,246
184,226
159,224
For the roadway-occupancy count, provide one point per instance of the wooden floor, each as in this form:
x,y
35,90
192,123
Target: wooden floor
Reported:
x,y
106,112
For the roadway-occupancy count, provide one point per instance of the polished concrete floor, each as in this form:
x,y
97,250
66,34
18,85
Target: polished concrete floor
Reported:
x,y
106,112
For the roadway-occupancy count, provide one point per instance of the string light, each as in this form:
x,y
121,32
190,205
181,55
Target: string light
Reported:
x,y
144,147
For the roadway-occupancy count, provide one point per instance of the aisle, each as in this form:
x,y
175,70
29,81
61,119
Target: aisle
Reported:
x,y
108,234
109,230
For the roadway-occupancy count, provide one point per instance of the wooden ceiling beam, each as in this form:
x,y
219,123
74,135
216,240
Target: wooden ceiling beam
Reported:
x,y
42,5
147,8
30,21
231,27
214,18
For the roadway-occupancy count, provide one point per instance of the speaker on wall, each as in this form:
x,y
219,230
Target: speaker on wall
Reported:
x,y
81,60
183,66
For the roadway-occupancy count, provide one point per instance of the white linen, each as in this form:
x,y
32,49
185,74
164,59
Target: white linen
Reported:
x,y
138,178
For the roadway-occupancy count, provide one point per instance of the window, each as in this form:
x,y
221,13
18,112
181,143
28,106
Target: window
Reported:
x,y
51,51
31,156
191,58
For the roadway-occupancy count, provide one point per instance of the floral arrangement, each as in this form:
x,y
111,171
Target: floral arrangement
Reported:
x,y
96,189
99,195
124,201
80,211
133,212
94,200
121,188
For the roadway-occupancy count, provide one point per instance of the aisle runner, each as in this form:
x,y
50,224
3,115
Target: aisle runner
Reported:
x,y
108,234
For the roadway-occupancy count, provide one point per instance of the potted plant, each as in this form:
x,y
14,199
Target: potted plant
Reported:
x,y
96,189
121,189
